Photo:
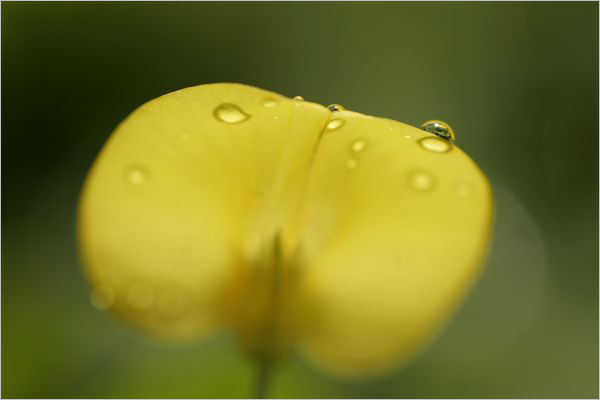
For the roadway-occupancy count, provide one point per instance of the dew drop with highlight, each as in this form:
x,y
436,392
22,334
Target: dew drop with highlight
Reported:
x,y
435,145
269,102
359,145
230,113
336,107
421,181
136,175
334,124
440,129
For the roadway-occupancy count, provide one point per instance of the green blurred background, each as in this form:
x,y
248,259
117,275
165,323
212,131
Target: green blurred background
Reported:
x,y
518,82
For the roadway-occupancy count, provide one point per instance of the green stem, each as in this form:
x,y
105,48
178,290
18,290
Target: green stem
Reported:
x,y
263,378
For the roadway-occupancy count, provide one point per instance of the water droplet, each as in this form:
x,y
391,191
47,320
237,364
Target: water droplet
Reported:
x,y
421,180
298,98
435,145
269,102
358,145
140,296
136,175
336,107
351,164
230,113
335,123
171,303
407,136
439,128
464,189
102,297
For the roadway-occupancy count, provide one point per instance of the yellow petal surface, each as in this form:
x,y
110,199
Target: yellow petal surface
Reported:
x,y
393,229
185,191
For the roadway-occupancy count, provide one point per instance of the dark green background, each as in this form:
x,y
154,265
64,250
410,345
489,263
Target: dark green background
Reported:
x,y
518,81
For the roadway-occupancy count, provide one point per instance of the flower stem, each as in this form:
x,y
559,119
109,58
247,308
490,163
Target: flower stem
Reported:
x,y
263,377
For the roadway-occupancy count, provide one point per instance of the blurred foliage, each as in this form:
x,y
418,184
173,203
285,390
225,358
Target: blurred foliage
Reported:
x,y
517,81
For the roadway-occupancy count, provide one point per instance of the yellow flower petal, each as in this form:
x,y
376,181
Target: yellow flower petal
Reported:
x,y
393,229
187,188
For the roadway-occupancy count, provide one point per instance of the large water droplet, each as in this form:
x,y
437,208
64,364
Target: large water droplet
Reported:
x,y
269,102
336,107
334,124
230,113
102,297
137,175
421,180
435,145
140,296
298,98
358,145
439,128
351,164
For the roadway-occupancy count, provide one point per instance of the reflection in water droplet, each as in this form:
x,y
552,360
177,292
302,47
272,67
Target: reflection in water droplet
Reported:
x,y
407,136
171,303
269,102
140,296
336,107
102,297
439,128
136,175
351,164
435,145
230,113
335,123
298,98
359,145
421,180
464,189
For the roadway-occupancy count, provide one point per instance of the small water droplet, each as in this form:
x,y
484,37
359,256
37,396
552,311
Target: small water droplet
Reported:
x,y
102,297
136,175
351,164
140,296
298,98
269,102
439,128
421,180
407,136
358,145
435,145
334,124
230,113
336,107
464,189
171,303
